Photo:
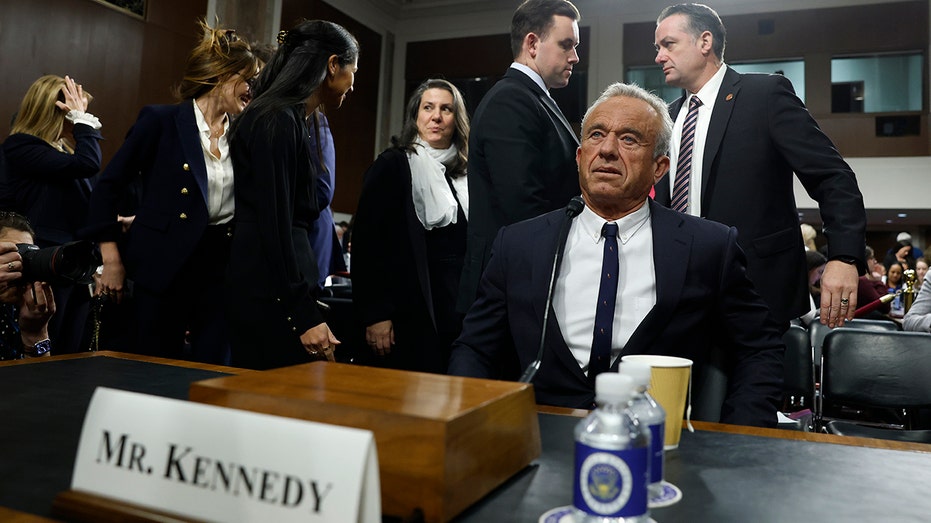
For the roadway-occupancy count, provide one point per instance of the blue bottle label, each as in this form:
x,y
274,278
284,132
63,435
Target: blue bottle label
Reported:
x,y
611,483
657,442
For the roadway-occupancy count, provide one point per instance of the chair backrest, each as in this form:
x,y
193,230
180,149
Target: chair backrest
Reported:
x,y
872,325
817,332
886,369
799,377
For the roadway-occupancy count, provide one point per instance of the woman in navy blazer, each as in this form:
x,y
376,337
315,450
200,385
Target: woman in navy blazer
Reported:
x,y
47,180
177,246
272,283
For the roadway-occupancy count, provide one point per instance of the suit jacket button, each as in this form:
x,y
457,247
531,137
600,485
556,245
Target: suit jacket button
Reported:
x,y
186,167
293,329
184,190
183,216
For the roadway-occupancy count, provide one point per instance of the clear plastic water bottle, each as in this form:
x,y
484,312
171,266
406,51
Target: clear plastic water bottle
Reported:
x,y
649,414
611,458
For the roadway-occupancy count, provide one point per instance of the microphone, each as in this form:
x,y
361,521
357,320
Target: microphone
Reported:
x,y
575,206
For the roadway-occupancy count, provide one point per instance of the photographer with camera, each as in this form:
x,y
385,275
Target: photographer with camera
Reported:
x,y
25,306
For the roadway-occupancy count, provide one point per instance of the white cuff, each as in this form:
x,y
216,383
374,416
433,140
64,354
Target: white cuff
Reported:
x,y
85,118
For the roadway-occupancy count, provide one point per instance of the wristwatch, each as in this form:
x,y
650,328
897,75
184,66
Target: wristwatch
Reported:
x,y
39,349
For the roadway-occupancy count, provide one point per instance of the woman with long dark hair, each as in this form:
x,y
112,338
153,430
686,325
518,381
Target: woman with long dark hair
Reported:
x,y
271,305
409,235
177,247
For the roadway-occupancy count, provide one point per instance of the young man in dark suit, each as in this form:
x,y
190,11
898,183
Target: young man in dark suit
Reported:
x,y
521,146
750,134
678,284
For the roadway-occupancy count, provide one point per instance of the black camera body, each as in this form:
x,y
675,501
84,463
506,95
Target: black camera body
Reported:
x,y
71,263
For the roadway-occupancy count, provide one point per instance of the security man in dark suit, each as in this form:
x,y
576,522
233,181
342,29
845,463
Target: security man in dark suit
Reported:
x,y
750,133
521,147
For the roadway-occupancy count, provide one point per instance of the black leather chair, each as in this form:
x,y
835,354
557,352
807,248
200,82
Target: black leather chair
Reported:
x,y
877,372
818,332
872,325
799,377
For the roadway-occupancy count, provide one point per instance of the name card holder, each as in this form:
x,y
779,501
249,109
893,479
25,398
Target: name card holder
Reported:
x,y
443,441
148,458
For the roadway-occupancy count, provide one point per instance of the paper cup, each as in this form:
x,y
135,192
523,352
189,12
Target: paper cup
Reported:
x,y
669,386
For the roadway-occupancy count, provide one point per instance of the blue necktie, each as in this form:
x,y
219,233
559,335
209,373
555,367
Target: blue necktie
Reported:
x,y
680,192
600,359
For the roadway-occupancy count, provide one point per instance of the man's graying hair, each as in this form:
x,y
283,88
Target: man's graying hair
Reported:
x,y
701,18
664,133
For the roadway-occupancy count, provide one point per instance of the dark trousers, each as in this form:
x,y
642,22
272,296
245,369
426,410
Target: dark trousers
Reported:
x,y
186,320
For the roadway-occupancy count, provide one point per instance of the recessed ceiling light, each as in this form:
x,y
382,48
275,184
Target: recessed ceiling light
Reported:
x,y
888,221
902,215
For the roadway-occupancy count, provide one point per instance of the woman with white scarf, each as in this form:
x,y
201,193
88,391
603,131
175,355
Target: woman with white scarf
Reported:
x,y
409,234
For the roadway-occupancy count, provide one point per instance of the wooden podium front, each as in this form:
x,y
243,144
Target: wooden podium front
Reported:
x,y
443,442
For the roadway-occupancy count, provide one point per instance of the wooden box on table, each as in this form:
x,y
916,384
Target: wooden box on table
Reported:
x,y
443,442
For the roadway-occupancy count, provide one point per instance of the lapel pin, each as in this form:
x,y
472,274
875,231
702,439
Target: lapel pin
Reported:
x,y
729,97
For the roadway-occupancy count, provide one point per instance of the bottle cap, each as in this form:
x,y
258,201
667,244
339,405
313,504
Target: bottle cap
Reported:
x,y
638,371
611,387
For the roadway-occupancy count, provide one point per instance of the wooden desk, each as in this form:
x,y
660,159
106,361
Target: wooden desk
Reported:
x,y
727,473
42,410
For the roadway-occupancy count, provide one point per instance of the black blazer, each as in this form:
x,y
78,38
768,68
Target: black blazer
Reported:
x,y
49,187
271,259
164,148
703,298
521,164
389,250
760,132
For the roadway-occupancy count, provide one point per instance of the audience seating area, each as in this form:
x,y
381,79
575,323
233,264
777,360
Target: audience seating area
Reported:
x,y
865,379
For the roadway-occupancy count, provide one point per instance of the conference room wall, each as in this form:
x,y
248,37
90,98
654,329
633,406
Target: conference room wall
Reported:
x,y
124,61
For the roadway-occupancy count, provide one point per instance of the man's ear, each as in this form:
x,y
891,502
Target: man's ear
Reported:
x,y
531,40
707,42
662,167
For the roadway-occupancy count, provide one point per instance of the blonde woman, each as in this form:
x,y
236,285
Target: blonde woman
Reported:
x,y
51,154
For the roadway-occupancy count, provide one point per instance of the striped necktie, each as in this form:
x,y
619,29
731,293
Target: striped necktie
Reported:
x,y
680,193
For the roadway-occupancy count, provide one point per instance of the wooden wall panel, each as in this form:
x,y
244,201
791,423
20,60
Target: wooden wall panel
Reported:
x,y
123,61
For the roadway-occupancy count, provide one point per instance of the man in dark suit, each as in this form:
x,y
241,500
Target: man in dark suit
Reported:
x,y
521,146
751,132
679,282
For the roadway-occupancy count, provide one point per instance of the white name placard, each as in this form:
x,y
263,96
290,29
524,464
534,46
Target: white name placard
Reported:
x,y
219,464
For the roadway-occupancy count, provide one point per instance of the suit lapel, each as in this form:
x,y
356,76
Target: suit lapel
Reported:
x,y
553,108
544,98
543,252
723,106
190,145
671,250
542,267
